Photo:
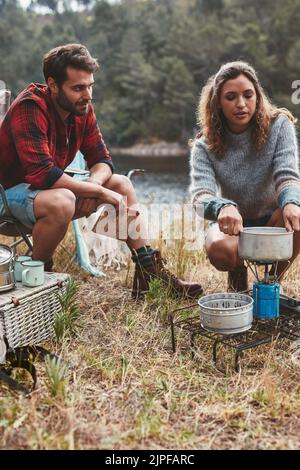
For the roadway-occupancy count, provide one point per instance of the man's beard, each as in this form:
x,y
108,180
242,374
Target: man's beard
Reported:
x,y
68,106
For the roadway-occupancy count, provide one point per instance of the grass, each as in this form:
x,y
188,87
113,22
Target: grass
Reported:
x,y
124,389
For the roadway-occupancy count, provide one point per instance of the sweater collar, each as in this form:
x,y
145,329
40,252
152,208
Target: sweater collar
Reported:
x,y
239,139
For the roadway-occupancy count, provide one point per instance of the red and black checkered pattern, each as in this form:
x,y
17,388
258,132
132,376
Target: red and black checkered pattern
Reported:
x,y
36,145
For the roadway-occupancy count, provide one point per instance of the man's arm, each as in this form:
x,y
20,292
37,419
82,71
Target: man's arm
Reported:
x,y
29,129
100,173
86,189
94,150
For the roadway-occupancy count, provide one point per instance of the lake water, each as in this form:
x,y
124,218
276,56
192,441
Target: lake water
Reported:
x,y
166,180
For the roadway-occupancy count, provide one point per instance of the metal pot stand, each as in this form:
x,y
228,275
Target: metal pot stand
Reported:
x,y
286,326
22,358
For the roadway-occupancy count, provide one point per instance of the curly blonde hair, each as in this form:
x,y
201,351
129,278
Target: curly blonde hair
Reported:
x,y
211,119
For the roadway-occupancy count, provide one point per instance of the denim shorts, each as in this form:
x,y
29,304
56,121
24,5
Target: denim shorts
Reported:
x,y
20,201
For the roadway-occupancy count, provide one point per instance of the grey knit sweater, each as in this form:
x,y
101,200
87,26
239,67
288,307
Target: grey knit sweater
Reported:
x,y
255,183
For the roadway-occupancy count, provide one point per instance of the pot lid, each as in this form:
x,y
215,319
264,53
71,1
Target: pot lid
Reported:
x,y
5,254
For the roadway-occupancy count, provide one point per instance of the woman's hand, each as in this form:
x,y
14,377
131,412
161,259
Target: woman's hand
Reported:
x,y
291,217
230,220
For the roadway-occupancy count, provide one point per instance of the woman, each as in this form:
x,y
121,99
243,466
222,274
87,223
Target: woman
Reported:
x,y
244,166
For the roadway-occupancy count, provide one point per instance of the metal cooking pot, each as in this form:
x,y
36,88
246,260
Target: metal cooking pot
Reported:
x,y
265,244
226,313
7,279
6,258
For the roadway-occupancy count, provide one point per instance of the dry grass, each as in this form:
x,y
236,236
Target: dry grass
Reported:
x,y
126,390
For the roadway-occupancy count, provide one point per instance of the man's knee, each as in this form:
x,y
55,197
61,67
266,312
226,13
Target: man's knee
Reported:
x,y
60,205
121,184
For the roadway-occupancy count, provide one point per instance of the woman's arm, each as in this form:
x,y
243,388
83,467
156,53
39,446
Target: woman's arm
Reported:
x,y
203,187
286,165
286,174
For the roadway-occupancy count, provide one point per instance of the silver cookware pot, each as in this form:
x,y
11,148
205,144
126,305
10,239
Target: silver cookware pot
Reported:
x,y
6,258
226,313
265,244
7,279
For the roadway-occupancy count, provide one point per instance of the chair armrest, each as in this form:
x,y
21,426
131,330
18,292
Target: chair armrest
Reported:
x,y
135,171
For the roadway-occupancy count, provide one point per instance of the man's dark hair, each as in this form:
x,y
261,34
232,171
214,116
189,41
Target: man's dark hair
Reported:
x,y
57,60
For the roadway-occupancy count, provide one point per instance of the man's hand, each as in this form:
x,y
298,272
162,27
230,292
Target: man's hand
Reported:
x,y
230,220
108,196
86,206
291,217
100,173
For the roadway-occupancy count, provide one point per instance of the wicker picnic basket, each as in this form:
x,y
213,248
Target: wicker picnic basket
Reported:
x,y
27,314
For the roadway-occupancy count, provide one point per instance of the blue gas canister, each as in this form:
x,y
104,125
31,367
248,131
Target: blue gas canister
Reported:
x,y
266,300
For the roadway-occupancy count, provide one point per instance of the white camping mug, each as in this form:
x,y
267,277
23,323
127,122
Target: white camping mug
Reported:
x,y
33,273
19,266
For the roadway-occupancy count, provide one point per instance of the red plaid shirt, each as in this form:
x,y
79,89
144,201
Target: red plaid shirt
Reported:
x,y
36,145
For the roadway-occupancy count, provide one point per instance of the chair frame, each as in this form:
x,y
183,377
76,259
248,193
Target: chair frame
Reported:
x,y
11,227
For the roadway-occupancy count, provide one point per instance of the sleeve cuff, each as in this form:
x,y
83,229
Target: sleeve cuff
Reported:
x,y
52,176
213,205
290,195
109,163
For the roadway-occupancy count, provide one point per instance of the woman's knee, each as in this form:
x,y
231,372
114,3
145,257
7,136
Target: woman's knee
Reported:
x,y
222,254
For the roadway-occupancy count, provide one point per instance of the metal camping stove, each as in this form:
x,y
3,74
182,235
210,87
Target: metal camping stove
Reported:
x,y
266,246
263,331
275,315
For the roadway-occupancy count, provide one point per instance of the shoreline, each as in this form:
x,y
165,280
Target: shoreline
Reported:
x,y
160,150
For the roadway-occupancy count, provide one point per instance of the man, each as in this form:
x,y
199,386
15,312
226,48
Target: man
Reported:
x,y
44,128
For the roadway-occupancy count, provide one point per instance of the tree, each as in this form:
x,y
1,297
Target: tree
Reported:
x,y
179,97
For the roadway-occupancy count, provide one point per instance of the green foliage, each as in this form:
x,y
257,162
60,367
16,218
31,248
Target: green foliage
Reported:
x,y
56,376
157,292
160,296
67,318
155,55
